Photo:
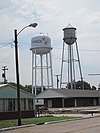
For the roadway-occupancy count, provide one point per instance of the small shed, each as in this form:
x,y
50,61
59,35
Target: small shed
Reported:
x,y
8,102
57,98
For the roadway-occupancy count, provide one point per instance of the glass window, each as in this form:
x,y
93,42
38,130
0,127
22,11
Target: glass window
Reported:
x,y
11,104
2,105
30,104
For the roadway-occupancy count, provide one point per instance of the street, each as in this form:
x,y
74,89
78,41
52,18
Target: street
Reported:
x,y
89,125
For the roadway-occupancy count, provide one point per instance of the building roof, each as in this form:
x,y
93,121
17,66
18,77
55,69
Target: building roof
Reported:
x,y
68,93
9,91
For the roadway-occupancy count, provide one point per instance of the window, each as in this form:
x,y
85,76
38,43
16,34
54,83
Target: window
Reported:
x,y
30,104
24,104
2,105
11,104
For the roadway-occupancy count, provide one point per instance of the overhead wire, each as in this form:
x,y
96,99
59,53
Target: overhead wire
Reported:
x,y
81,49
2,45
8,43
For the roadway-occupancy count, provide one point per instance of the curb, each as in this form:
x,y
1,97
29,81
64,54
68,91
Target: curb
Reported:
x,y
52,122
12,128
74,119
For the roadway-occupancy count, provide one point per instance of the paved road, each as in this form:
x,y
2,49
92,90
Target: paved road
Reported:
x,y
91,125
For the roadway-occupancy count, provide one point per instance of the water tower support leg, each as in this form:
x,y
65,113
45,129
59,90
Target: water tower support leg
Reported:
x,y
80,66
32,72
47,70
41,73
73,69
71,79
51,69
62,65
68,66
35,72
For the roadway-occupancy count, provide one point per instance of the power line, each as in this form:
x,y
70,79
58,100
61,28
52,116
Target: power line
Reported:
x,y
94,74
27,44
97,50
5,44
4,58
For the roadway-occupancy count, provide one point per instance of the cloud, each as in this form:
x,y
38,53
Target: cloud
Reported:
x,y
6,5
52,17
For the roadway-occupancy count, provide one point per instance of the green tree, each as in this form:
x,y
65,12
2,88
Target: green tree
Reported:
x,y
79,85
98,86
38,89
94,88
86,85
28,88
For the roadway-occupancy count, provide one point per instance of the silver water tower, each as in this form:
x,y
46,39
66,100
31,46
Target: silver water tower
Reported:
x,y
70,40
42,74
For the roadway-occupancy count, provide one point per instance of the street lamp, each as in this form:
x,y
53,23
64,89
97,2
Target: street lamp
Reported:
x,y
17,69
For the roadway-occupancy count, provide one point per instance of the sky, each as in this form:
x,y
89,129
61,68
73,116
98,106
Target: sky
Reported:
x,y
51,16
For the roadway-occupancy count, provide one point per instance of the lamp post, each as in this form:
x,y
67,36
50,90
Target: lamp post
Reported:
x,y
17,69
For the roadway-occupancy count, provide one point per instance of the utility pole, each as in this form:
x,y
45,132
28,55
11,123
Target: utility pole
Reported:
x,y
4,68
57,79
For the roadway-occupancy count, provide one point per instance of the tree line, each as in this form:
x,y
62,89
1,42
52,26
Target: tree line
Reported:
x,y
76,85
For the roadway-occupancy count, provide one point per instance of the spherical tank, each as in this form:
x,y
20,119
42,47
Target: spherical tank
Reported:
x,y
69,35
41,44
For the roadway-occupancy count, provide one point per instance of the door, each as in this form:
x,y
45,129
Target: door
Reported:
x,y
49,103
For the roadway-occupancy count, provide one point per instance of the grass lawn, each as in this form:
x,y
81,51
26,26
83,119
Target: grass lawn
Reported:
x,y
42,119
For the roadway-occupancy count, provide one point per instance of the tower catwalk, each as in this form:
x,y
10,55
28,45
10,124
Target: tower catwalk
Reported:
x,y
70,40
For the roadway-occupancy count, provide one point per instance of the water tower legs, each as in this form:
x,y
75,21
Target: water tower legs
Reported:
x,y
42,74
70,68
70,73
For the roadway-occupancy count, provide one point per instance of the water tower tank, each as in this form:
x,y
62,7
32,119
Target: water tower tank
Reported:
x,y
69,35
41,44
